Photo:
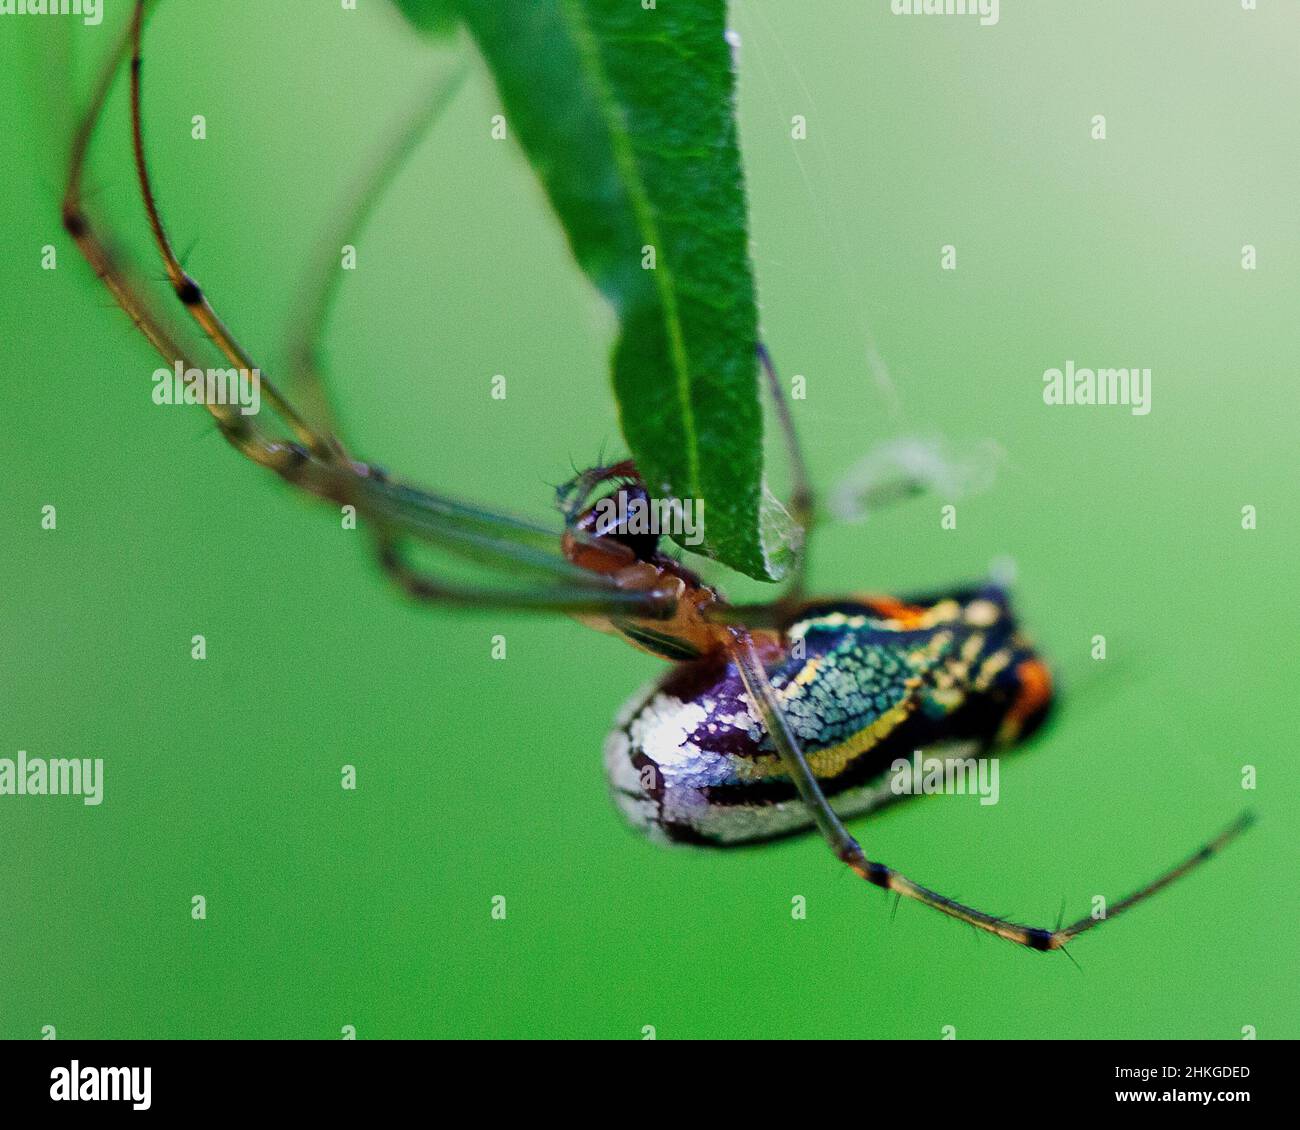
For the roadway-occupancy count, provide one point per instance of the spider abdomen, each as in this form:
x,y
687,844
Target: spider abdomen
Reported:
x,y
862,682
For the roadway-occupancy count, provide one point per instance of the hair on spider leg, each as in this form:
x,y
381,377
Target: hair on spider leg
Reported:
x,y
581,468
88,192
206,434
184,256
1000,919
133,322
576,469
1066,950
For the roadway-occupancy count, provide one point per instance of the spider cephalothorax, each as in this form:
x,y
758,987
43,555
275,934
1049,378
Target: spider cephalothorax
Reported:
x,y
619,534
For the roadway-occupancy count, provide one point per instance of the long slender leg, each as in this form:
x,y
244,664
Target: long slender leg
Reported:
x,y
502,541
308,373
239,430
802,503
186,288
422,513
321,282
574,598
849,852
896,479
326,448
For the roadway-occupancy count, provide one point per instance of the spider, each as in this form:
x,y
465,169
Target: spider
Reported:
x,y
769,712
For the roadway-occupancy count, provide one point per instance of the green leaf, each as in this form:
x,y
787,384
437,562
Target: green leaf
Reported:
x,y
440,17
626,114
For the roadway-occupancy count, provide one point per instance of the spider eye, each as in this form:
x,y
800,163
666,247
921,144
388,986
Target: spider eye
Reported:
x,y
624,516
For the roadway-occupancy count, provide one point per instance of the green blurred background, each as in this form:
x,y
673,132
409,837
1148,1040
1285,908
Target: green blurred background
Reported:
x,y
479,777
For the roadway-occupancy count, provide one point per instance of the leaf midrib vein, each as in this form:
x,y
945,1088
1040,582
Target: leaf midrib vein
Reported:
x,y
621,142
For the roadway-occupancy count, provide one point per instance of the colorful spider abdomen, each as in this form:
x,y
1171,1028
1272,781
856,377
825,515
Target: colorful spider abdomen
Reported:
x,y
863,682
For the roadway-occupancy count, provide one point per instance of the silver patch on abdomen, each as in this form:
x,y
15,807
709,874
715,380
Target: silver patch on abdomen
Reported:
x,y
657,726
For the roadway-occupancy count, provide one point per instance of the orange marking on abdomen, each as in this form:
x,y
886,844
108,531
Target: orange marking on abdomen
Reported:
x,y
1035,689
908,615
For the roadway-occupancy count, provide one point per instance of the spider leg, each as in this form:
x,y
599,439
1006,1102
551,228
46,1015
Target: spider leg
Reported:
x,y
896,485
802,506
802,502
125,288
187,290
849,851
321,282
314,461
574,598
455,525
458,526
